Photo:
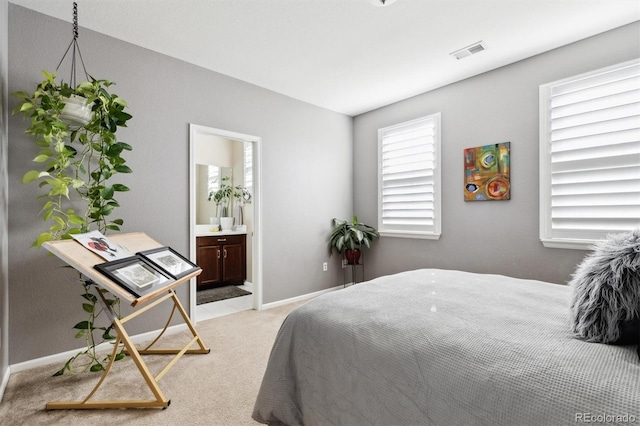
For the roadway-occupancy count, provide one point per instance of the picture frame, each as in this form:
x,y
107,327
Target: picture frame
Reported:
x,y
170,261
487,172
135,274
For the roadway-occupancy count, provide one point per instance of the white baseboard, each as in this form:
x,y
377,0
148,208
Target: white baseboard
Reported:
x,y
5,381
299,298
64,356
139,338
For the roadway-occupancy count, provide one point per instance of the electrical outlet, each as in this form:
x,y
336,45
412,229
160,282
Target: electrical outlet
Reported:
x,y
325,266
344,263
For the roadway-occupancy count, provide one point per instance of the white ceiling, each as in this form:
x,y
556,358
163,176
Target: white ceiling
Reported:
x,y
346,55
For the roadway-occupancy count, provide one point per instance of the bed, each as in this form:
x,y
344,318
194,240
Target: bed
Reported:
x,y
443,347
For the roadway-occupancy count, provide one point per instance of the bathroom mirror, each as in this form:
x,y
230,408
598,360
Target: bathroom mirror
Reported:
x,y
208,178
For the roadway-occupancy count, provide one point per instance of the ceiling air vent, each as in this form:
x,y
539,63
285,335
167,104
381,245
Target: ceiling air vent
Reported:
x,y
469,50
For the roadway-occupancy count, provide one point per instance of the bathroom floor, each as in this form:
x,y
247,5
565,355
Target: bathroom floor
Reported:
x,y
225,307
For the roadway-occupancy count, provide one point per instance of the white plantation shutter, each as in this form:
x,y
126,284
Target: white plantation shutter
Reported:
x,y
409,179
248,166
590,156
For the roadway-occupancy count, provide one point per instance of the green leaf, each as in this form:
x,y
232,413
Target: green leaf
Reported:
x,y
47,215
120,187
59,188
83,325
70,151
85,86
96,367
75,219
49,77
41,158
90,297
26,106
119,101
42,238
47,205
30,176
107,336
114,150
125,146
107,193
118,221
88,307
106,210
123,169
68,235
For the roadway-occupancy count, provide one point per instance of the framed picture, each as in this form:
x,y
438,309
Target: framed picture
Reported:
x,y
170,261
136,274
487,172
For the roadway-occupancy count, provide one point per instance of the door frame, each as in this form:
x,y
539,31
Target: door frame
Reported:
x,y
256,202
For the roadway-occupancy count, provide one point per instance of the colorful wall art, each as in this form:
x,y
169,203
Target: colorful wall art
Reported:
x,y
487,172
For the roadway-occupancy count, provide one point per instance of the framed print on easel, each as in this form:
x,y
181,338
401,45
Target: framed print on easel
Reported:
x,y
170,261
136,274
145,286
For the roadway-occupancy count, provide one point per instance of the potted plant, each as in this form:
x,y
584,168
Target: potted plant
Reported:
x,y
349,237
223,196
79,154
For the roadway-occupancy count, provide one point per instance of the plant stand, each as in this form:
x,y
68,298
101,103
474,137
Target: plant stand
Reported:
x,y
83,260
354,271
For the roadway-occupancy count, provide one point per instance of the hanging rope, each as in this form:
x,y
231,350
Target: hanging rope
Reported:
x,y
75,20
75,50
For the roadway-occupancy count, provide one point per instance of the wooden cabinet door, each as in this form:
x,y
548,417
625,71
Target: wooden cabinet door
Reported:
x,y
234,265
209,258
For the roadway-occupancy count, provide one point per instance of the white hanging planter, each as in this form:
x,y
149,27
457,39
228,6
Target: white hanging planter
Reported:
x,y
76,111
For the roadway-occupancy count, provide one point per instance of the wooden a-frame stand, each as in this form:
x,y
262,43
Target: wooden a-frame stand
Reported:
x,y
83,260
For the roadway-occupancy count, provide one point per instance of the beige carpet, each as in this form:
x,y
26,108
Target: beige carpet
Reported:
x,y
218,388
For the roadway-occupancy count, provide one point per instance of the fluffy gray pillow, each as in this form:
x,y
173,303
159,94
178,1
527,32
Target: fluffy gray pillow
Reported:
x,y
606,291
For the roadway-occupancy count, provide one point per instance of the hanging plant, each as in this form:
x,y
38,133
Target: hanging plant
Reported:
x,y
77,162
76,159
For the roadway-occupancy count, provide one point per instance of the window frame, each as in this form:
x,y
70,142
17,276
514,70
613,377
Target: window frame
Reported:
x,y
546,234
437,189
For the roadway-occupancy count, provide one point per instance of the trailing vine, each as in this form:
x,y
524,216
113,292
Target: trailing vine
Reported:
x,y
77,163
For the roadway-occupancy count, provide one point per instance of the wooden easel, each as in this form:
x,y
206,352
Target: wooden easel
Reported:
x,y
83,261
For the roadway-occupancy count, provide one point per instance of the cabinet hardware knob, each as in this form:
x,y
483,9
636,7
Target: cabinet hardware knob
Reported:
x,y
218,254
225,253
222,240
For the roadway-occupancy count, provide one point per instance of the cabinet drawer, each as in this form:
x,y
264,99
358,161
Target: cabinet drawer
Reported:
x,y
219,240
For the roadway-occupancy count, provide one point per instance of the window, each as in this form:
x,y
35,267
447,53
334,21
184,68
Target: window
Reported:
x,y
590,156
409,179
213,179
248,166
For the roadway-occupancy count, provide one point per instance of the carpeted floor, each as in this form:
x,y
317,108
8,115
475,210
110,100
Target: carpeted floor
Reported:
x,y
218,388
220,293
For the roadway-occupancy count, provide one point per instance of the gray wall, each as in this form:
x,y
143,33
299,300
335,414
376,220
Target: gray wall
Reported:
x,y
4,283
306,180
498,106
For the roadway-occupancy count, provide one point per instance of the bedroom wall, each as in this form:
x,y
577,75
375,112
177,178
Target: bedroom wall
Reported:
x,y
498,106
4,280
306,174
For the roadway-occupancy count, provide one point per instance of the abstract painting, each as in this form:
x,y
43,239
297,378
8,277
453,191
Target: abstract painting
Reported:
x,y
487,172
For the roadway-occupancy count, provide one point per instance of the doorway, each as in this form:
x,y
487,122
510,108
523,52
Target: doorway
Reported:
x,y
212,140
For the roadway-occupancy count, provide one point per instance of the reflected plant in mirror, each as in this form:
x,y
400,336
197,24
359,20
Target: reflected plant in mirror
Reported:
x,y
223,196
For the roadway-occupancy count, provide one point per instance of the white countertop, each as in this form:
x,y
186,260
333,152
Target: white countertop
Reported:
x,y
205,231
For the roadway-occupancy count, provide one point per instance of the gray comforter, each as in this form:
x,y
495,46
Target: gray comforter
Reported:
x,y
435,347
